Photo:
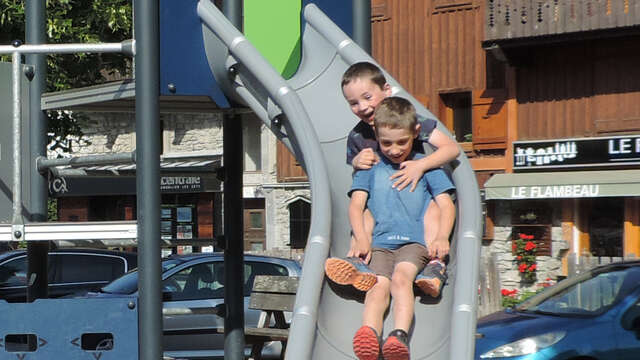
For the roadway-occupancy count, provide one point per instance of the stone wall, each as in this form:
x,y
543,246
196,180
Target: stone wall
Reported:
x,y
547,266
112,132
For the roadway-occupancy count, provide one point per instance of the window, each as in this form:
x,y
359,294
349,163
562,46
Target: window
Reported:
x,y
533,218
299,222
255,219
457,115
178,220
72,268
197,282
251,142
206,280
606,227
14,272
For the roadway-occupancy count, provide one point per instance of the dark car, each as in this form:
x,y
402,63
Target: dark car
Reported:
x,y
594,316
193,289
70,271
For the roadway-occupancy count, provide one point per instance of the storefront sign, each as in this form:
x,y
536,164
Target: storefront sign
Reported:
x,y
126,185
181,183
586,152
554,191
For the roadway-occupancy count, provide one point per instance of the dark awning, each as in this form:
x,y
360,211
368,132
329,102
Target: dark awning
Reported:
x,y
569,184
120,96
177,175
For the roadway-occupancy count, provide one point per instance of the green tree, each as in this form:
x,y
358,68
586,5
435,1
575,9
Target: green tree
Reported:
x,y
73,21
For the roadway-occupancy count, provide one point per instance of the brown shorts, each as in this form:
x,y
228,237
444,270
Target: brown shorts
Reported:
x,y
383,261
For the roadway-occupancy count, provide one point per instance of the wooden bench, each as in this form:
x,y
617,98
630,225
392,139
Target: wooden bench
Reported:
x,y
273,295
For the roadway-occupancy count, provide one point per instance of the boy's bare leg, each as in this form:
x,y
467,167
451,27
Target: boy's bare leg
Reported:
x,y
396,346
367,340
402,293
376,303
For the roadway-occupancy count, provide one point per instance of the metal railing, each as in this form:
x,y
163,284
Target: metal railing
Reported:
x,y
511,19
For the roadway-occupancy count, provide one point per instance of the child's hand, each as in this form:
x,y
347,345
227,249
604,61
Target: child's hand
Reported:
x,y
365,159
362,251
438,248
410,173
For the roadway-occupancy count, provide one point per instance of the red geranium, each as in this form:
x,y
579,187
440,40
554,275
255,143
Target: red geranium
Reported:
x,y
524,248
522,267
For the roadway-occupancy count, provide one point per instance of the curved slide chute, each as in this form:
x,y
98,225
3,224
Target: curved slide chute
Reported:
x,y
309,114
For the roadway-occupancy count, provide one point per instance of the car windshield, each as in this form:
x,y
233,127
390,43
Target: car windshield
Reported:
x,y
589,294
127,284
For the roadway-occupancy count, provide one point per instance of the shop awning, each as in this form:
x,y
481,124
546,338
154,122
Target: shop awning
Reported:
x,y
178,174
569,184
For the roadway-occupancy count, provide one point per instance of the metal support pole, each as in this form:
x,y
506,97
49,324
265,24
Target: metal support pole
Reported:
x,y
125,47
37,252
234,242
17,141
233,217
147,76
362,24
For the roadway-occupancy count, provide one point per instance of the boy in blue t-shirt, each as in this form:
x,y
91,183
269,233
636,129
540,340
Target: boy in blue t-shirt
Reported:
x,y
396,247
364,87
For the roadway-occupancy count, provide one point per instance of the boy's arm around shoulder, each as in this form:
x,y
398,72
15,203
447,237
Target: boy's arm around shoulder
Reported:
x,y
446,150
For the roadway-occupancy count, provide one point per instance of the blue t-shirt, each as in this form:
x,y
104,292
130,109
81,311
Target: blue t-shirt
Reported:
x,y
398,214
362,136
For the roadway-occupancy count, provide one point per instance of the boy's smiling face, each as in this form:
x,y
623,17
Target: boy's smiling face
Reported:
x,y
396,143
363,96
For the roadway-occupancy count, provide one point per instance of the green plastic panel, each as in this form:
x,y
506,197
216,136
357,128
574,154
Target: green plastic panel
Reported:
x,y
273,27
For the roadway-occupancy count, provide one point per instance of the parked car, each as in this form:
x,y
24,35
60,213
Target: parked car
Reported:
x,y
592,316
69,271
193,294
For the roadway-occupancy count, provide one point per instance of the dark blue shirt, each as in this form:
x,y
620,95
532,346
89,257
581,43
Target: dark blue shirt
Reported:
x,y
362,136
398,214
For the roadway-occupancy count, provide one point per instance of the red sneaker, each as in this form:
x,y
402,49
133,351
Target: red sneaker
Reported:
x,y
366,343
396,347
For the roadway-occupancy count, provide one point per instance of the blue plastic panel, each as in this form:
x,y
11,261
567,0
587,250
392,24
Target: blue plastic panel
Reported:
x,y
183,62
339,11
58,326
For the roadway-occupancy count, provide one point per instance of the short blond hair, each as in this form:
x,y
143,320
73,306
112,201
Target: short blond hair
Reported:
x,y
396,113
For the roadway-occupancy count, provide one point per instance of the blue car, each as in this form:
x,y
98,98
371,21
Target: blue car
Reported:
x,y
592,316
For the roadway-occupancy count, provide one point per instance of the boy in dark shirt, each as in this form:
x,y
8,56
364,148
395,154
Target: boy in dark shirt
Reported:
x,y
396,248
364,87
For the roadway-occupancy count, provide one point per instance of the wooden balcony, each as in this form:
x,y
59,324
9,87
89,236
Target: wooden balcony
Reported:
x,y
517,19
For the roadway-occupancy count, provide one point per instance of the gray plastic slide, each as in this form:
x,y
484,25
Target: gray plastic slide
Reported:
x,y
309,114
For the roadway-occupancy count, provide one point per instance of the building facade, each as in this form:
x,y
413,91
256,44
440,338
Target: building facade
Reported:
x,y
276,198
543,97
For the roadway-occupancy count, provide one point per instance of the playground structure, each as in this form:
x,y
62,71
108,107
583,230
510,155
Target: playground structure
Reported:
x,y
308,113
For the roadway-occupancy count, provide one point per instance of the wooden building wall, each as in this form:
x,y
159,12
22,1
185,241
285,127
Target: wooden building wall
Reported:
x,y
430,46
434,49
588,88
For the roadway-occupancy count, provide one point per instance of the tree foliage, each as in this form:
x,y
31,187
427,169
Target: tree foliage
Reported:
x,y
74,21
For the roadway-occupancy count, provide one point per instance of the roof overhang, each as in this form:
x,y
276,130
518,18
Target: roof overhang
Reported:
x,y
178,174
558,185
120,96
